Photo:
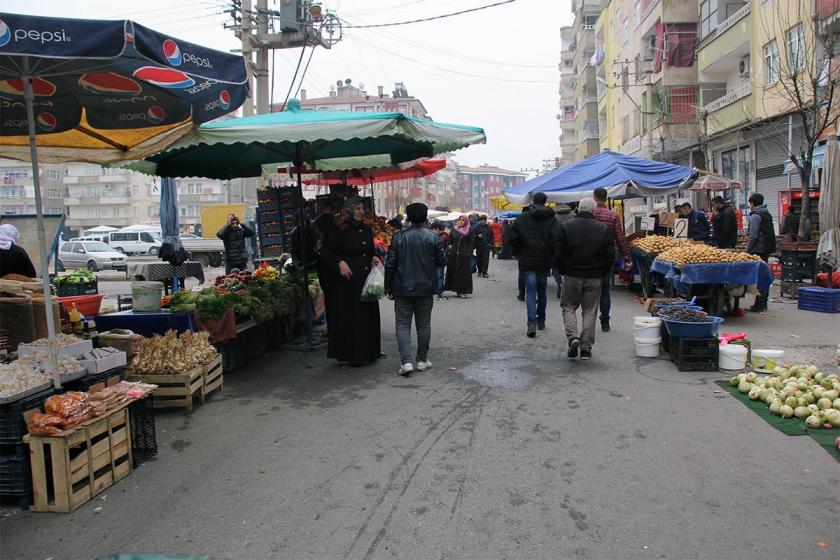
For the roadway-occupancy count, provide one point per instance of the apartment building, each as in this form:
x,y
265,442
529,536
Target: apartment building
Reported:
x,y
345,96
585,86
479,184
567,104
747,54
17,188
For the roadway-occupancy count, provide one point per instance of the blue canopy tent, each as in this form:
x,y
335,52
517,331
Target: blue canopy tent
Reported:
x,y
623,176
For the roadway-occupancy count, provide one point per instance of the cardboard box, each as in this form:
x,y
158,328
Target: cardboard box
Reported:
x,y
72,350
666,219
115,360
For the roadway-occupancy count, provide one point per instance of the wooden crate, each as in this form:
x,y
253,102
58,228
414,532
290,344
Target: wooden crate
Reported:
x,y
174,391
71,468
213,378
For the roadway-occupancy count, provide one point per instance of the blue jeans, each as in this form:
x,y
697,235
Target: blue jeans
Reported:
x,y
558,277
521,283
420,308
605,298
535,300
441,279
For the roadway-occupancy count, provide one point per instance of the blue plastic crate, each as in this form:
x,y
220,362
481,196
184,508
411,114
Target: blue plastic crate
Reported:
x,y
822,300
683,329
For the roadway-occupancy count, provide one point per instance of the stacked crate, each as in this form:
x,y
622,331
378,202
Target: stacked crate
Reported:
x,y
799,267
276,219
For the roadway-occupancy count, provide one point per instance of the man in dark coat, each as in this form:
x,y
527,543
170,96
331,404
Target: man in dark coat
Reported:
x,y
725,224
698,222
233,235
483,240
586,253
532,237
411,281
761,240
562,213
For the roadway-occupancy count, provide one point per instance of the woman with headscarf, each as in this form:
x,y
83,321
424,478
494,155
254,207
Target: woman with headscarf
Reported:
x,y
461,245
13,258
353,330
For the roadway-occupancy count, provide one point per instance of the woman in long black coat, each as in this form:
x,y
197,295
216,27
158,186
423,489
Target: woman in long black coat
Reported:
x,y
461,246
354,332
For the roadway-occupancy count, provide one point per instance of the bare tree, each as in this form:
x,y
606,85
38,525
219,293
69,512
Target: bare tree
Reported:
x,y
809,76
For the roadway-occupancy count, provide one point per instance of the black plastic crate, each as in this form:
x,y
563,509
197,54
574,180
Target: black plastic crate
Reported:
x,y
12,426
789,289
141,419
92,379
694,354
796,273
807,259
15,473
82,289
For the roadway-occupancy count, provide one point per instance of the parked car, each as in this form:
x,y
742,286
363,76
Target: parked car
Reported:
x,y
135,242
103,238
208,251
93,255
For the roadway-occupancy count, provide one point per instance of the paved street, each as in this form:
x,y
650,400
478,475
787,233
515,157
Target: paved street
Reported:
x,y
503,450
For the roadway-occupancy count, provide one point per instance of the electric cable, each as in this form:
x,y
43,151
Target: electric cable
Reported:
x,y
305,68
294,78
432,18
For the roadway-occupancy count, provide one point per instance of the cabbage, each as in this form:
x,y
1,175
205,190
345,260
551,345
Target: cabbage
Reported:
x,y
801,411
833,417
753,394
734,381
818,391
813,408
824,404
809,398
786,411
830,395
836,403
819,377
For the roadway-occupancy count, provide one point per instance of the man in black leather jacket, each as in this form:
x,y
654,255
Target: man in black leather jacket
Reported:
x,y
233,235
411,281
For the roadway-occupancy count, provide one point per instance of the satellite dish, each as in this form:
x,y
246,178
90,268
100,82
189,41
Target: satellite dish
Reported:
x,y
348,81
361,85
339,83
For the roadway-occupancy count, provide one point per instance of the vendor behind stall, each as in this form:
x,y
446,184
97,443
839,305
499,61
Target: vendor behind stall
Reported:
x,y
725,224
698,222
13,258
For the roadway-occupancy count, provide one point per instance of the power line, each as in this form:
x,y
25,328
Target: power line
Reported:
x,y
305,68
432,18
294,78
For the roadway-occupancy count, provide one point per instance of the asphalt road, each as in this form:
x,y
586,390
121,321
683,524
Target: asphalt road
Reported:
x,y
505,449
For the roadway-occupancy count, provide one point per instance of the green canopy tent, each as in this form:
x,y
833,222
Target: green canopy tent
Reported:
x,y
336,140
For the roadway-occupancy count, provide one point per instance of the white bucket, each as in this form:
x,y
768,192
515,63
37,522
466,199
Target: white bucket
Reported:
x,y
647,348
646,329
146,296
765,360
732,356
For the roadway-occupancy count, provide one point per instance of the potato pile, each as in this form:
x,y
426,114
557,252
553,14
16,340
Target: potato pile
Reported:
x,y
691,253
655,244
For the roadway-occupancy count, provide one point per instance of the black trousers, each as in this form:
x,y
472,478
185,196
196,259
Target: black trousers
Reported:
x,y
482,255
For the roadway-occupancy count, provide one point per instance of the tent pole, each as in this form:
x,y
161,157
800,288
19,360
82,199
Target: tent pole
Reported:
x,y
302,225
39,213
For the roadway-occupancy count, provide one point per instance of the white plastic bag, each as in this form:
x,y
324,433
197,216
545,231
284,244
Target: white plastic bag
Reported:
x,y
374,287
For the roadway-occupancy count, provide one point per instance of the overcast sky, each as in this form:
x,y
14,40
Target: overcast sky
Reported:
x,y
495,68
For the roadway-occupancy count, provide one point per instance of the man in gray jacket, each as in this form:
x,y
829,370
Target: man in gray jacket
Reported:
x,y
761,240
411,281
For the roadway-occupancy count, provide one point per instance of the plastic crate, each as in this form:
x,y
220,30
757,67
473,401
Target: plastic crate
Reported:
x,y
789,289
15,473
693,330
92,379
12,426
822,300
82,289
141,418
796,273
695,354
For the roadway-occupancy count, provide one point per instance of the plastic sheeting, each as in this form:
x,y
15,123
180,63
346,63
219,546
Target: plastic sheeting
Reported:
x,y
828,249
739,274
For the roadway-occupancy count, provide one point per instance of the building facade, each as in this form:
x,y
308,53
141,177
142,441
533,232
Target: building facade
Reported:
x,y
345,96
478,185
17,188
568,102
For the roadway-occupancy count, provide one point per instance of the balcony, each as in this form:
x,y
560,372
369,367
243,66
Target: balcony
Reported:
x,y
729,36
96,200
826,8
728,111
589,131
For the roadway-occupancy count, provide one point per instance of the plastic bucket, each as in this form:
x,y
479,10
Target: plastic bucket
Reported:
x,y
765,360
647,328
146,296
648,348
732,356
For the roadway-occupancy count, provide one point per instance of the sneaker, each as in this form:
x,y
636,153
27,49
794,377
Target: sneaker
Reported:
x,y
520,297
541,326
605,326
406,369
585,354
485,275
441,297
574,345
423,365
532,331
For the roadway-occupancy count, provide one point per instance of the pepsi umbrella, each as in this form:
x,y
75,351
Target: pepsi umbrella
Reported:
x,y
621,175
103,91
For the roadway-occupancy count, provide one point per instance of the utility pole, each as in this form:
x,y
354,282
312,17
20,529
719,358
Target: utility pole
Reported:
x,y
263,101
247,52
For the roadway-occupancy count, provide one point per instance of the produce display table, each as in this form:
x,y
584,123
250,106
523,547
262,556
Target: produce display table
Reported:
x,y
157,270
146,324
643,262
715,283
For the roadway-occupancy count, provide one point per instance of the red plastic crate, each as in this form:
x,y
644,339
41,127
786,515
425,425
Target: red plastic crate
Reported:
x,y
87,305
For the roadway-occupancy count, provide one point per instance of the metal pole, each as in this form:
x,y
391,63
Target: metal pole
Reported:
x,y
39,213
247,52
263,101
301,224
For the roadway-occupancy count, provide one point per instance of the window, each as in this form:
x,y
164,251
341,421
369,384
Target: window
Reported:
x,y
771,63
708,16
78,248
136,211
53,193
796,49
625,31
116,212
65,247
135,190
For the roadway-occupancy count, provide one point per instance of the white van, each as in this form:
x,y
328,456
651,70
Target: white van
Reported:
x,y
135,241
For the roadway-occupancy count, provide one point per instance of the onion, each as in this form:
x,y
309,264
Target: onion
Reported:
x,y
802,401
819,377
809,398
836,403
824,404
764,394
734,381
813,422
818,391
812,369
801,411
827,383
751,376
833,417
830,395
786,411
813,408
775,406
753,394
792,401
744,386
